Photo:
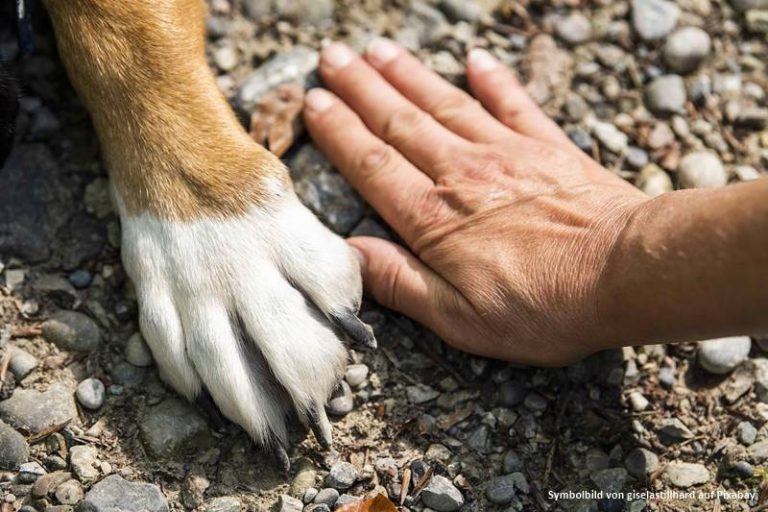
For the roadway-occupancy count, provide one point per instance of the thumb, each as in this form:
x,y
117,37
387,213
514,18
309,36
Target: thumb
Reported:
x,y
400,281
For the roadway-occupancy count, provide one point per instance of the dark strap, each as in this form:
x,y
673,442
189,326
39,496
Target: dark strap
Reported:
x,y
24,26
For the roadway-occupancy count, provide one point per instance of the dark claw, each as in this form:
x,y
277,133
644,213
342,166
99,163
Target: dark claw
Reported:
x,y
278,451
320,426
355,328
205,402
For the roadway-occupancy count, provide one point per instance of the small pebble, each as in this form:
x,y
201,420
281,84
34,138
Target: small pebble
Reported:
x,y
420,394
746,433
722,355
512,462
685,474
328,496
686,48
137,352
342,476
80,278
91,393
638,402
673,430
610,479
574,29
309,495
637,158
611,137
654,19
356,374
666,95
654,181
343,403
22,363
70,330
641,462
441,495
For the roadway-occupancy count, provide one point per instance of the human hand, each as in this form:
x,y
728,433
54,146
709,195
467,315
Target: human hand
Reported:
x,y
508,224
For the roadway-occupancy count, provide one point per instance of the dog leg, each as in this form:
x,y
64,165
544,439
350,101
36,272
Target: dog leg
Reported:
x,y
239,285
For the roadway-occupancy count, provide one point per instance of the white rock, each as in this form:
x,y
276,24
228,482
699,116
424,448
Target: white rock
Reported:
x,y
684,474
720,356
702,169
686,48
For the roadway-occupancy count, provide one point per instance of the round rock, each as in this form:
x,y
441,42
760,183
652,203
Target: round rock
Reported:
x,y
91,393
722,355
70,330
685,474
654,19
441,495
114,493
223,504
137,352
343,402
610,479
641,462
173,426
356,374
574,28
702,169
666,95
14,449
686,48
328,496
342,476
22,363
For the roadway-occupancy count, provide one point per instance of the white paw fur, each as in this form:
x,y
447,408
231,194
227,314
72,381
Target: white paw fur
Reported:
x,y
224,304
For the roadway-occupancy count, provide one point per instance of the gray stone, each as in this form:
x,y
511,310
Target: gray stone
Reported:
x,y
171,427
463,10
127,375
34,412
501,490
758,452
137,352
347,499
324,191
328,496
289,504
22,363
309,495
755,118
702,169
356,374
29,472
641,462
654,19
673,430
292,66
14,449
55,288
115,494
638,402
722,355
581,138
80,278
535,401
574,28
746,433
576,107
686,48
611,137
512,462
69,493
225,58
478,439
637,158
91,393
666,95
73,331
420,394
610,479
513,393
441,495
224,504
342,403
685,474
304,11
342,476
423,24
83,459
743,469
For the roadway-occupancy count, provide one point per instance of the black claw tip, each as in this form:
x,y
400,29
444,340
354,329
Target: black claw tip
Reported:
x,y
206,403
322,432
281,456
355,328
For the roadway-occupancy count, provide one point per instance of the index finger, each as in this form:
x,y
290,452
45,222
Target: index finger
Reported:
x,y
386,179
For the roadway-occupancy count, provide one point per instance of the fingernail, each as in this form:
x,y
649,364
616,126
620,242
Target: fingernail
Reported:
x,y
318,100
381,51
481,60
337,55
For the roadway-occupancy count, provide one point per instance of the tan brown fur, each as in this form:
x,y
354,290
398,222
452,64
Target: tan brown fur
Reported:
x,y
170,141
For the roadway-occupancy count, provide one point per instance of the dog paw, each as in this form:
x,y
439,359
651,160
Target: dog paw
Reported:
x,y
247,309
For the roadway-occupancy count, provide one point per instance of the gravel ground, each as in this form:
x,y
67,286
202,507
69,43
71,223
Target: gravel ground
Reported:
x,y
668,95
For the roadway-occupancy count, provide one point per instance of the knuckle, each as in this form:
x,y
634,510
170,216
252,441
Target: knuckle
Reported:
x,y
372,161
402,124
454,106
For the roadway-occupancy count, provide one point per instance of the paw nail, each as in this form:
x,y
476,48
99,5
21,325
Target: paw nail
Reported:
x,y
356,329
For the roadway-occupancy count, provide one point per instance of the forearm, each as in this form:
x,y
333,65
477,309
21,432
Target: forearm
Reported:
x,y
691,265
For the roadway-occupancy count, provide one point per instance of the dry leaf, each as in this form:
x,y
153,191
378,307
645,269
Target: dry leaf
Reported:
x,y
378,504
276,122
